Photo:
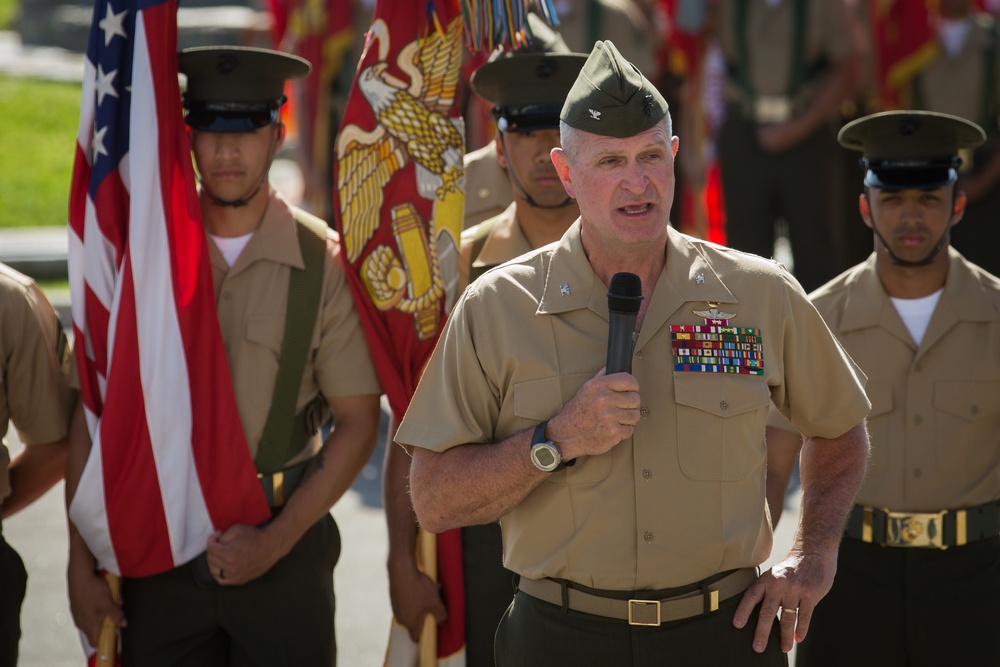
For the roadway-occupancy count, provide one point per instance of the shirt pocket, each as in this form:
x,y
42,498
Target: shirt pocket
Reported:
x,y
720,425
258,366
538,400
967,426
879,424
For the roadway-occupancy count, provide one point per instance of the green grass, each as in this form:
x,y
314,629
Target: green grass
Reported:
x,y
7,10
37,145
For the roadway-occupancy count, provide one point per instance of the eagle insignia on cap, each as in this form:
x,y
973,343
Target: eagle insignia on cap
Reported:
x,y
647,105
594,114
227,64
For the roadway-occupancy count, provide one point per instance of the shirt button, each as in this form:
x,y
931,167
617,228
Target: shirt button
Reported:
x,y
974,409
648,537
918,420
226,296
484,193
644,412
647,473
917,472
918,367
724,405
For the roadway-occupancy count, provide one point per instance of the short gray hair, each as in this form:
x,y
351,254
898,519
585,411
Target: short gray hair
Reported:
x,y
571,139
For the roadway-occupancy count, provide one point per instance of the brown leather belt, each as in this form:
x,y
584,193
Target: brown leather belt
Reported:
x,y
638,611
929,530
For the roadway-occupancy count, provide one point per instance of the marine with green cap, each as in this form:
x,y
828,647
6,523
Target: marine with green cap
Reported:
x,y
295,347
917,578
635,498
525,88
489,190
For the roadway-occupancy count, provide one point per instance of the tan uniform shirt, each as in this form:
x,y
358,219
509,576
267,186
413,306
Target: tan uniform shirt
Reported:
x,y
935,418
487,188
956,84
252,299
769,42
621,21
684,497
505,241
34,365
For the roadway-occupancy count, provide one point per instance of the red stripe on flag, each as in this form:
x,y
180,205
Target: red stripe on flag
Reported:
x,y
132,493
78,201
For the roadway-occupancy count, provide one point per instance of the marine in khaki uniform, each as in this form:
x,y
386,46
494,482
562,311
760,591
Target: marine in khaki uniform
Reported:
x,y
275,577
35,395
964,81
792,64
918,576
645,486
526,89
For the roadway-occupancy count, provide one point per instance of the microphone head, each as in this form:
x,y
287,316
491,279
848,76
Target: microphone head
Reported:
x,y
625,292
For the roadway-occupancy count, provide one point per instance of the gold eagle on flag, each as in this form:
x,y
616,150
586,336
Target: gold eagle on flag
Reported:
x,y
412,124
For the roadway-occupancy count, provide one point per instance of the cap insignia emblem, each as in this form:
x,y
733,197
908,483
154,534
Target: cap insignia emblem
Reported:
x,y
596,115
647,105
227,64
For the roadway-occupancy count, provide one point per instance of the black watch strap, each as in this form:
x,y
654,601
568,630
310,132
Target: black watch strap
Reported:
x,y
539,436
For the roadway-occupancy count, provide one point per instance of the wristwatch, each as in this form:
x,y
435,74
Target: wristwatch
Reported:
x,y
544,454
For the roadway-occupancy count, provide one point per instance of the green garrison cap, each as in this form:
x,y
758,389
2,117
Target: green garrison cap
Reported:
x,y
527,86
611,97
236,89
910,149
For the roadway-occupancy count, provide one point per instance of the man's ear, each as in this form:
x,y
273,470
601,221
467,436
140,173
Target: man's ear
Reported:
x,y
498,147
958,207
281,134
561,164
866,210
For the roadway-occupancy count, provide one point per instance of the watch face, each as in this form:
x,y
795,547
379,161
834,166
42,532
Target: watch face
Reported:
x,y
545,457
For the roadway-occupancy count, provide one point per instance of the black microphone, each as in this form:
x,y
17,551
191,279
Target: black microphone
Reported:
x,y
624,296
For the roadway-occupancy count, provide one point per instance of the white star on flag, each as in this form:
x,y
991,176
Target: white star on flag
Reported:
x,y
98,143
104,85
111,24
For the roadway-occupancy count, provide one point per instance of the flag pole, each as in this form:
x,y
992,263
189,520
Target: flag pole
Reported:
x,y
427,546
107,640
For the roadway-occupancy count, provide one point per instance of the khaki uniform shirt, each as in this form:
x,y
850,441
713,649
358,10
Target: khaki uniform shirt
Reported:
x,y
34,367
935,418
621,21
956,84
769,42
252,299
505,241
487,188
683,498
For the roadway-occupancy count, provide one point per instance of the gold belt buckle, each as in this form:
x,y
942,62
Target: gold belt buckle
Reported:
x,y
772,109
633,604
915,530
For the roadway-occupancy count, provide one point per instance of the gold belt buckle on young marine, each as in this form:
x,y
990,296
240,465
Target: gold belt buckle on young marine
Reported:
x,y
772,108
903,529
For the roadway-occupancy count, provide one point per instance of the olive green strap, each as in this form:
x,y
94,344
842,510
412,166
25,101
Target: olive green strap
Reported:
x,y
798,65
285,433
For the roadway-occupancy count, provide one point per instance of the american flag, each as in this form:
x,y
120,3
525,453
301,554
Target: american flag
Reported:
x,y
169,463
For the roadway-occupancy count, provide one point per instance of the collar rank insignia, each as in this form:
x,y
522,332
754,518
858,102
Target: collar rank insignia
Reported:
x,y
699,279
716,347
564,289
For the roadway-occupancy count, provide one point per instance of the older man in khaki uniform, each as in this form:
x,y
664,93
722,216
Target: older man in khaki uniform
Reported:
x,y
36,397
791,65
964,81
918,577
263,591
636,499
